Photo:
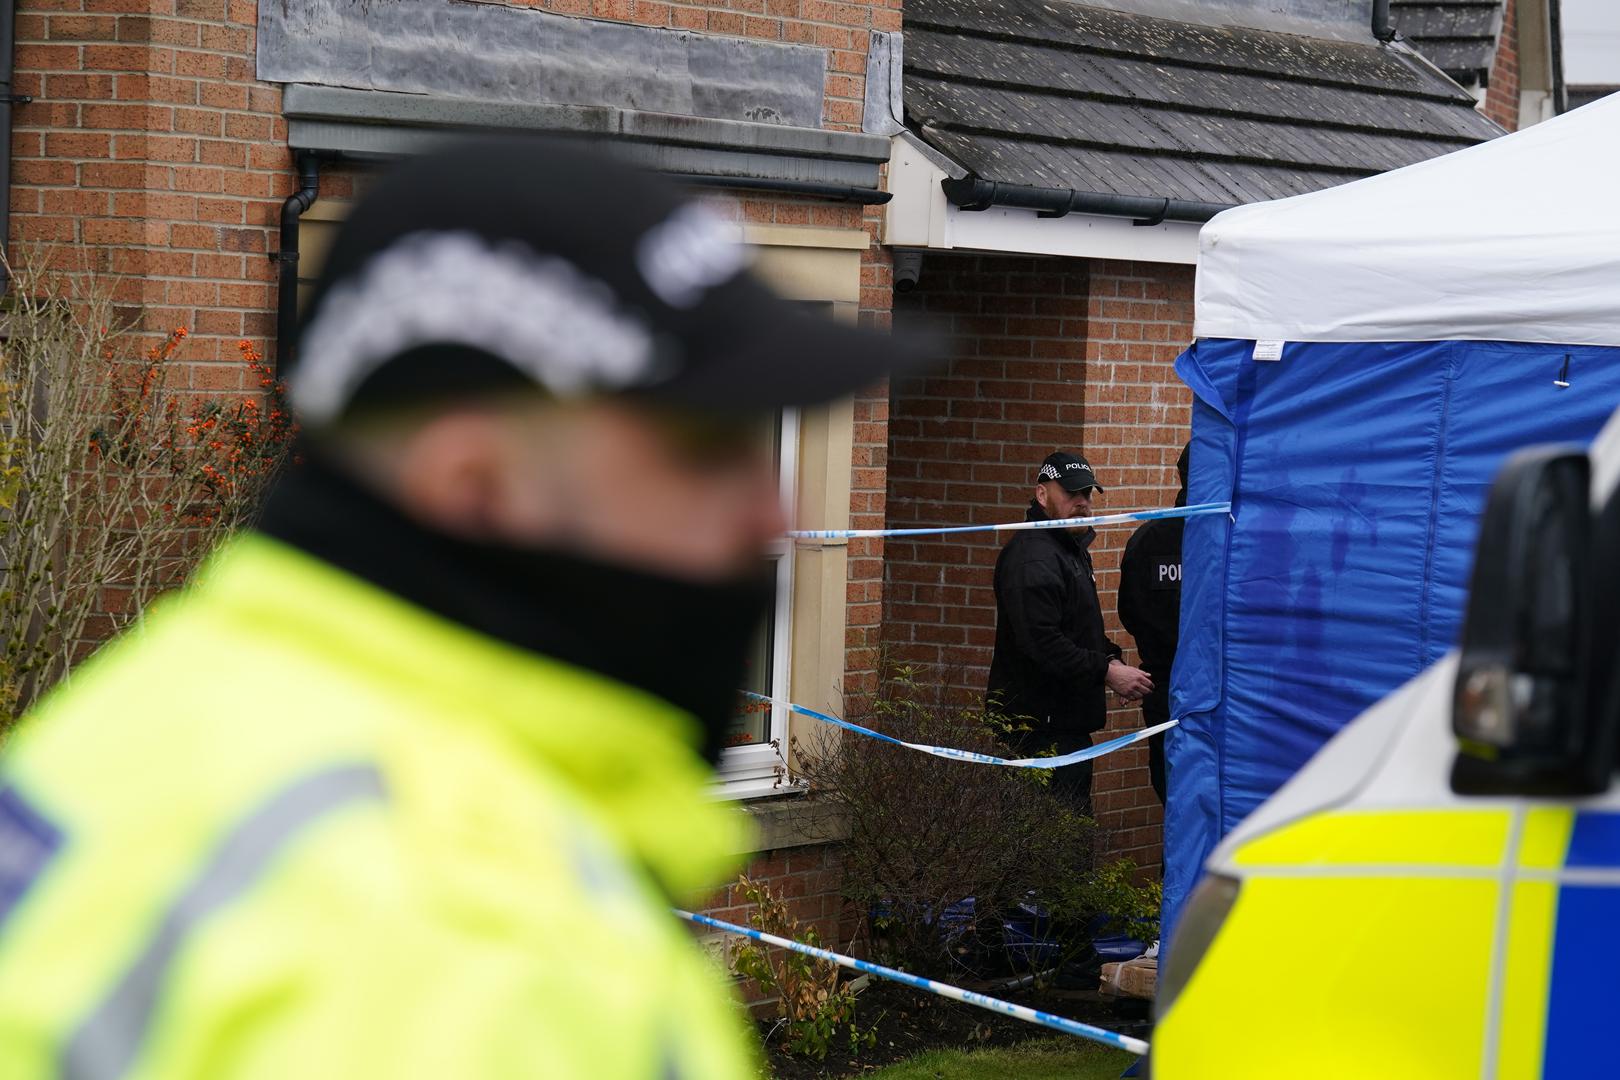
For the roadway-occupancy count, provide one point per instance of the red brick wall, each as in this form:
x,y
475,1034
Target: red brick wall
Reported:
x,y
868,489
1502,95
867,500
964,444
810,879
1048,354
151,151
1137,416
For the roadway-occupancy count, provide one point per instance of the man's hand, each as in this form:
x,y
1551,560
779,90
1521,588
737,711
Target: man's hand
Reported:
x,y
1132,684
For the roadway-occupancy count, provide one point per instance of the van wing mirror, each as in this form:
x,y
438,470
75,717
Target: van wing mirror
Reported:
x,y
1603,640
1520,708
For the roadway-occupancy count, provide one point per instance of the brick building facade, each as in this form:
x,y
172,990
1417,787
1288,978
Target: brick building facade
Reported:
x,y
152,148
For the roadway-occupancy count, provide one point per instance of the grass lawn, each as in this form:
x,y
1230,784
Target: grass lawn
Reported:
x,y
1046,1059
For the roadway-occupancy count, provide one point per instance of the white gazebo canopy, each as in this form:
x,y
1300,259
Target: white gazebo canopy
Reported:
x,y
1517,239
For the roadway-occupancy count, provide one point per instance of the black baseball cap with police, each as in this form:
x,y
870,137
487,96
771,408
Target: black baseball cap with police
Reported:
x,y
505,261
1071,472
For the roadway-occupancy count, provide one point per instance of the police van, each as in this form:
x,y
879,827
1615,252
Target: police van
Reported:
x,y
1437,893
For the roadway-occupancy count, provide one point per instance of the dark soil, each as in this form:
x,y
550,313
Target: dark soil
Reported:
x,y
910,1022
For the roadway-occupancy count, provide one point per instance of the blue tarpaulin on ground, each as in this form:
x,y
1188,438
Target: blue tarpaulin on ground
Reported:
x,y
1357,473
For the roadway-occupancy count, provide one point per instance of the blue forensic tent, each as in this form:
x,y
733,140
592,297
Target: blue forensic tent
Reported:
x,y
1366,357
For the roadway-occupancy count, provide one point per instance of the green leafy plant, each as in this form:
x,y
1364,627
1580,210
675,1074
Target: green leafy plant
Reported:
x,y
1128,906
812,1003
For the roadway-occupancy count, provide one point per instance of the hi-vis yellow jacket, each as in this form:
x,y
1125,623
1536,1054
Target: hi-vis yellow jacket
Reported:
x,y
298,829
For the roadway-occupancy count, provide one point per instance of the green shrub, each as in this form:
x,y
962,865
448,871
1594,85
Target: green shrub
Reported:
x,y
928,832
814,1007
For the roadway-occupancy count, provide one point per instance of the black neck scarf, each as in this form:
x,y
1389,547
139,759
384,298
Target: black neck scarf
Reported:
x,y
683,641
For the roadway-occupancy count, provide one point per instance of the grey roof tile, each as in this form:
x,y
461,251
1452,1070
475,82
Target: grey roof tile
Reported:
x,y
1458,35
1065,95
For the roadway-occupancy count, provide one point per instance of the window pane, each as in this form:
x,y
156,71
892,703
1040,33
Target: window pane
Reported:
x,y
752,722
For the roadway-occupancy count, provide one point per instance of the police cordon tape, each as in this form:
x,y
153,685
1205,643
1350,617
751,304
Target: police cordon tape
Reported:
x,y
955,993
974,756
1198,510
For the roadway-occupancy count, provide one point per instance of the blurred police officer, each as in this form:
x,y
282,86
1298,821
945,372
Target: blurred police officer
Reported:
x,y
1150,609
405,785
1053,662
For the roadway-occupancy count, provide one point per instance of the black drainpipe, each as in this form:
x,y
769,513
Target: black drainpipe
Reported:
x,y
1382,27
8,44
309,186
1555,32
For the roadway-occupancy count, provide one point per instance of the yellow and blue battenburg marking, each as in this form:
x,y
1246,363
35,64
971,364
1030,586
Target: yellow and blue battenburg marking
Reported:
x,y
1413,943
1585,954
1376,923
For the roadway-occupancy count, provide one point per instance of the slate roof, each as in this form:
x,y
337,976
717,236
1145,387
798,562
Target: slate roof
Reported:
x,y
1054,94
1458,35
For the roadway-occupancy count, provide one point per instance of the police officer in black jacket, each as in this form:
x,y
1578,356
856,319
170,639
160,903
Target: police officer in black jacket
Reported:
x,y
1150,608
1053,663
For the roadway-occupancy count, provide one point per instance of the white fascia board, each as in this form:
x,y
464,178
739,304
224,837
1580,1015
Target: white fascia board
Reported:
x,y
1084,236
919,216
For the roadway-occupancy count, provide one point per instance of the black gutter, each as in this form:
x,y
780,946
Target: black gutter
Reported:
x,y
309,186
970,193
8,48
817,188
1383,27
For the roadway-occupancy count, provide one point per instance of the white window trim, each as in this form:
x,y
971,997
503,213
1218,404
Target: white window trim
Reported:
x,y
760,769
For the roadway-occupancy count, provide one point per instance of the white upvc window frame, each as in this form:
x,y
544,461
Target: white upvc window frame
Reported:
x,y
758,769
